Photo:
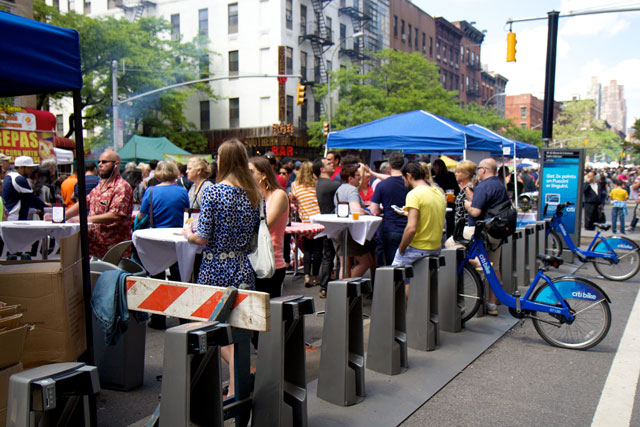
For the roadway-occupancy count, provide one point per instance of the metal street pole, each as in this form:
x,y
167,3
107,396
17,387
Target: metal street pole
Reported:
x,y
493,96
114,102
550,78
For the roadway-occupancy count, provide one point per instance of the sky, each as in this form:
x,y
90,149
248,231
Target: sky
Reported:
x,y
606,46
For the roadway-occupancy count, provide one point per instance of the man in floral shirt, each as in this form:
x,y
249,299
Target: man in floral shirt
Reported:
x,y
110,205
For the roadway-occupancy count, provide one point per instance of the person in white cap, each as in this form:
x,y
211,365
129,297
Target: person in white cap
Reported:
x,y
17,194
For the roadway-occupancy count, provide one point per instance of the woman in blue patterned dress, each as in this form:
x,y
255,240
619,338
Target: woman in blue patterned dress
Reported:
x,y
229,217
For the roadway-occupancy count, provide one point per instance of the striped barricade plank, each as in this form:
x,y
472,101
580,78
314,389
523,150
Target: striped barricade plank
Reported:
x,y
197,302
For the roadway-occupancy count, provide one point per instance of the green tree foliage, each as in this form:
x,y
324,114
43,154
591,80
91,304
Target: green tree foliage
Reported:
x,y
530,136
636,130
576,127
394,82
147,59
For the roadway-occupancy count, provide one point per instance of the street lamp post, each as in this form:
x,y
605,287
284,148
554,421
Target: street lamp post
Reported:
x,y
495,95
337,49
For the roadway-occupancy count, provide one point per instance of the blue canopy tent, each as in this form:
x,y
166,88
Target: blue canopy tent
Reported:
x,y
511,148
42,58
414,132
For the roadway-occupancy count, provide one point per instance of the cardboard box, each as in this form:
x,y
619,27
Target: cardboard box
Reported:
x,y
10,322
5,374
12,345
51,297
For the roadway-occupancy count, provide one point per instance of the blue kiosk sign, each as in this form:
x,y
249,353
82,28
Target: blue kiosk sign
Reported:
x,y
562,177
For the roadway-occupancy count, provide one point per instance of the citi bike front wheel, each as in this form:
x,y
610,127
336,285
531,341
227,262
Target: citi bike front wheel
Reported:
x,y
627,252
472,292
586,302
554,244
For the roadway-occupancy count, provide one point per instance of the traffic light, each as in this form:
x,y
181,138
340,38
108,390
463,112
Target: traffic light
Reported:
x,y
325,128
511,47
586,142
300,95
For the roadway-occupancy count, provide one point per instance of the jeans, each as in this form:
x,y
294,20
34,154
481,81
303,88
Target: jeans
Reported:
x,y
328,254
615,214
390,242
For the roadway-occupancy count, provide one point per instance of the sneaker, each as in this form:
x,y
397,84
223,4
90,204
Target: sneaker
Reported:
x,y
323,293
492,309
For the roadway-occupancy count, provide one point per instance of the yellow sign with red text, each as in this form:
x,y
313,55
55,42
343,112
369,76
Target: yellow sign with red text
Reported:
x,y
19,137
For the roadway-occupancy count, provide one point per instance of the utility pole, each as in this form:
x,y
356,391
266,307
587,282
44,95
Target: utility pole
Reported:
x,y
550,78
114,103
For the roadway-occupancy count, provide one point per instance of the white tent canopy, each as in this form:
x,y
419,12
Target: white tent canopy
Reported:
x,y
63,157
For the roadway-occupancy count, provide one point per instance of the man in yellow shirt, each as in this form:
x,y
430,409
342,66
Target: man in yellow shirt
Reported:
x,y
425,210
619,198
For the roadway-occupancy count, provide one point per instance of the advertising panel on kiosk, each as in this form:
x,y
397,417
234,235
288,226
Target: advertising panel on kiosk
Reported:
x,y
26,132
561,180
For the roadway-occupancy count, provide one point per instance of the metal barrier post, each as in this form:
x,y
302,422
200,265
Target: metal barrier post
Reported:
x,y
387,350
530,230
520,257
423,332
449,288
191,379
280,396
52,395
507,264
341,375
542,236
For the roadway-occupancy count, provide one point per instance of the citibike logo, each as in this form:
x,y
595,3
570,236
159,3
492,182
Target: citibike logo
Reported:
x,y
486,265
624,246
584,295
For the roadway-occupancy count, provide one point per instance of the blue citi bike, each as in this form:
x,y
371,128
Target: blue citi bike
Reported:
x,y
614,257
568,311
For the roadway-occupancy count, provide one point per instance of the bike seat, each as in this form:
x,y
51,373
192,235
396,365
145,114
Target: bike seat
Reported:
x,y
550,260
602,226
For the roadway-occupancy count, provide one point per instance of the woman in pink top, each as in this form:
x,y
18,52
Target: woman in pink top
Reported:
x,y
277,203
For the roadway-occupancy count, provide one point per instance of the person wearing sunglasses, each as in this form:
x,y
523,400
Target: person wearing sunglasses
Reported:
x,y
109,207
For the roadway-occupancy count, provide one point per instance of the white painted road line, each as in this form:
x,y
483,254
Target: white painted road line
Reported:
x,y
616,401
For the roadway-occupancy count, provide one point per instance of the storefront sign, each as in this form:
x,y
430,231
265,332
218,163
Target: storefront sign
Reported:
x,y
19,137
561,181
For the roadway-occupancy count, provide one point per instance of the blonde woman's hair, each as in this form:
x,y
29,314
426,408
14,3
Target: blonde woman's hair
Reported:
x,y
468,167
233,165
305,176
427,173
203,167
166,171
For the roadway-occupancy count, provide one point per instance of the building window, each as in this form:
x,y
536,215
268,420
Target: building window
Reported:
x,y
523,125
234,66
461,53
415,39
59,124
289,118
343,36
203,22
234,112
303,20
329,66
424,43
288,14
329,29
395,25
437,49
304,114
466,83
56,4
303,65
316,111
205,122
87,7
71,5
204,66
289,60
467,56
409,34
430,46
233,18
175,27
523,112
402,36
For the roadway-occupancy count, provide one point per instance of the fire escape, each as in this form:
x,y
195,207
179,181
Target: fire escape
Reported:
x,y
358,20
320,41
134,8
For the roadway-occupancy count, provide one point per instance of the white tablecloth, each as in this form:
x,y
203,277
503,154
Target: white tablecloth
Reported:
x,y
160,248
19,236
361,230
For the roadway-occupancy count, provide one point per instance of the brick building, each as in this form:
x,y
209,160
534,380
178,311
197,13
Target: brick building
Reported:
x,y
527,110
470,68
412,29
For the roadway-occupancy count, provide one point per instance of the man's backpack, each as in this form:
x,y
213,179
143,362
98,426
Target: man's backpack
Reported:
x,y
505,226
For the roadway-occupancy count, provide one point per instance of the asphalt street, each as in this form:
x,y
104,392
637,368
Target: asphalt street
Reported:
x,y
520,380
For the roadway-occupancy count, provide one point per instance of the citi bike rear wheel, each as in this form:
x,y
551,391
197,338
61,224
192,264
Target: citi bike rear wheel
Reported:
x,y
627,252
472,292
592,317
554,244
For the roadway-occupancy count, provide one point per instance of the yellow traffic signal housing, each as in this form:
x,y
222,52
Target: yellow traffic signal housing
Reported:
x,y
300,94
511,47
325,128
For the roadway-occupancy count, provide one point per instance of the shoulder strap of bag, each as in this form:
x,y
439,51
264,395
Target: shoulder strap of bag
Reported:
x,y
262,215
151,207
195,198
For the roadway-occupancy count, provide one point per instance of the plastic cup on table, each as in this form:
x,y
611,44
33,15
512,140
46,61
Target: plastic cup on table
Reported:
x,y
356,216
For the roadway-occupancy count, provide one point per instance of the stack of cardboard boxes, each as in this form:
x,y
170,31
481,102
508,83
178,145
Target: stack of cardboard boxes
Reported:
x,y
47,297
13,333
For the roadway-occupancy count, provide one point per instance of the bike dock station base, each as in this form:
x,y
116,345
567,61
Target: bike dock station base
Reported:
x,y
531,261
520,259
341,374
423,332
280,393
387,351
449,288
509,262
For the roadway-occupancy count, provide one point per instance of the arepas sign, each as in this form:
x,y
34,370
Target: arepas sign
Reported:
x,y
20,136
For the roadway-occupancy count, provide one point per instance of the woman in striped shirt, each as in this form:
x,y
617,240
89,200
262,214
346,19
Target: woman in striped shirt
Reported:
x,y
303,194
